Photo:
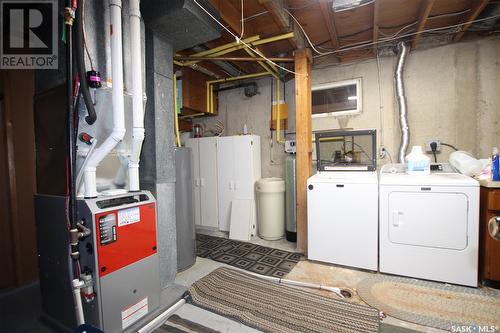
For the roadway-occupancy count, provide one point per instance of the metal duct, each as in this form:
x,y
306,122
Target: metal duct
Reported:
x,y
402,53
181,22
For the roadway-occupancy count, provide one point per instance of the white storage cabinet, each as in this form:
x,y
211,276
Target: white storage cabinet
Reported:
x,y
204,167
238,168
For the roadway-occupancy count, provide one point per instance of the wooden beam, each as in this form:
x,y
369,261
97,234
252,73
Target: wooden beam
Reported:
x,y
376,14
232,16
278,11
303,115
326,11
425,10
475,11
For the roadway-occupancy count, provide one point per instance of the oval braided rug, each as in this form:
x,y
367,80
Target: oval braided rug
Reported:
x,y
272,307
431,304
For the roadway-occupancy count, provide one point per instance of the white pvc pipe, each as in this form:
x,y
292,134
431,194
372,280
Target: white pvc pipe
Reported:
x,y
158,321
79,176
118,132
77,284
334,290
137,100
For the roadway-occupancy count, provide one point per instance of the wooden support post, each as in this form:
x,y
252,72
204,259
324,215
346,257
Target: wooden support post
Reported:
x,y
303,129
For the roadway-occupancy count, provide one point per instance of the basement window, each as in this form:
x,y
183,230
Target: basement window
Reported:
x,y
337,98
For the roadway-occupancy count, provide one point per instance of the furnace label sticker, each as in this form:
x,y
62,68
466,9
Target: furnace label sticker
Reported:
x,y
129,216
134,312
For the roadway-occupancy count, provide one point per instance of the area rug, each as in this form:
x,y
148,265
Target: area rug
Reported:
x,y
251,257
432,304
271,307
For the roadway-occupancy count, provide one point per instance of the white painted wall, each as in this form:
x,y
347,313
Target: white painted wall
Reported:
x,y
453,94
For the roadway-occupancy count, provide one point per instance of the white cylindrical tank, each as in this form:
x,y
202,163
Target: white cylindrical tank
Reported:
x,y
270,208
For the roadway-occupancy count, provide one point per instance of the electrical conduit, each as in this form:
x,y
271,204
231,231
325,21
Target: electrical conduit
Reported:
x,y
118,131
137,99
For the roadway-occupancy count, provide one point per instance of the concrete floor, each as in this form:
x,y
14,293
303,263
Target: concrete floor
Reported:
x,y
306,271
13,309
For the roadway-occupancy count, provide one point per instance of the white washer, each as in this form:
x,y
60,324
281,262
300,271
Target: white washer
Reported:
x,y
342,227
429,225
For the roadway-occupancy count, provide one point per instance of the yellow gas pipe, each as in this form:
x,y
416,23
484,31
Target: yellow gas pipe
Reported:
x,y
278,114
177,135
210,101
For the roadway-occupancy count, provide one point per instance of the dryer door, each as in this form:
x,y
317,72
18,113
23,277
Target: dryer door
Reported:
x,y
431,219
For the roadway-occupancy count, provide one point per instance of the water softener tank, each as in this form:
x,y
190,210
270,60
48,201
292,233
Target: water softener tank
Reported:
x,y
270,208
186,238
290,199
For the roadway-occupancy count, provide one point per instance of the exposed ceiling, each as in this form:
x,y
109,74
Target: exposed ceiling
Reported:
x,y
347,35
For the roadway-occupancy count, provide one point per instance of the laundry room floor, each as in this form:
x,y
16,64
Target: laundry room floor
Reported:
x,y
304,271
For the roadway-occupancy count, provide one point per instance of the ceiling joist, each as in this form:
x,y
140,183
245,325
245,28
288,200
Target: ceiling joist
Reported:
x,y
278,11
425,10
330,24
376,14
474,13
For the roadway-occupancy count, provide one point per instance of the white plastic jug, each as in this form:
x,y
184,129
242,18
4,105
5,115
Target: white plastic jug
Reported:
x,y
417,163
465,163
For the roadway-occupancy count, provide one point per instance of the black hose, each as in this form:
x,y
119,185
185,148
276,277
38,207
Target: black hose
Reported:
x,y
80,64
72,214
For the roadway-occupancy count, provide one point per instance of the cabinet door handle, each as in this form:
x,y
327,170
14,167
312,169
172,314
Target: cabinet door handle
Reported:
x,y
235,185
230,185
202,182
196,182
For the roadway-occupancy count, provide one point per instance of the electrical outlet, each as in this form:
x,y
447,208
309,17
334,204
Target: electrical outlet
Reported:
x,y
428,145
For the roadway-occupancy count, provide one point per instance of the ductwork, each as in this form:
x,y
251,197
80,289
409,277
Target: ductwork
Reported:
x,y
118,131
402,53
181,22
137,99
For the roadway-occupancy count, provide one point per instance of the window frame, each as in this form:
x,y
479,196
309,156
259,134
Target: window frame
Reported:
x,y
343,83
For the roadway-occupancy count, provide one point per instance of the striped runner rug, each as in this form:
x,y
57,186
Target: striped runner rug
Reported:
x,y
271,307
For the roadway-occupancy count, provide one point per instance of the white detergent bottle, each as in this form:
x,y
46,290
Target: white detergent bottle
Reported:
x,y
417,163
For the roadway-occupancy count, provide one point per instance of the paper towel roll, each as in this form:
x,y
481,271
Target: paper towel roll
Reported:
x,y
494,227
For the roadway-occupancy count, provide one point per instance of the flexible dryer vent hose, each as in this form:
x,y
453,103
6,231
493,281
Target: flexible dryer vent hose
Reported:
x,y
402,53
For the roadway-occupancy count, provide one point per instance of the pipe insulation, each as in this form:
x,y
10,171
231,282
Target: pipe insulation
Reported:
x,y
137,99
118,131
402,53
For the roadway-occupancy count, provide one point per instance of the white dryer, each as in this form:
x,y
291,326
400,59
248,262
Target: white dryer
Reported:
x,y
429,225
